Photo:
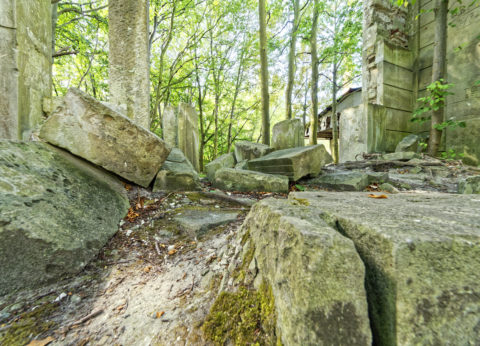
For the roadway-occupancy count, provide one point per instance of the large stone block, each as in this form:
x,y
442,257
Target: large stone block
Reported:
x,y
422,254
247,181
176,174
223,161
57,212
95,132
245,150
288,134
294,163
316,275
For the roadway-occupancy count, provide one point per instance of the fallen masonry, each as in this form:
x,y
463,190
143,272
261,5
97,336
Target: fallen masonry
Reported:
x,y
95,132
242,180
57,212
421,254
294,163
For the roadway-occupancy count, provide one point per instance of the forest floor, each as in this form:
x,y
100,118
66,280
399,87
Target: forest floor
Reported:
x,y
152,284
155,281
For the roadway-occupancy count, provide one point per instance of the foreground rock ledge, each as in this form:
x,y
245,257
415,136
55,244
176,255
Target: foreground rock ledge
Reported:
x,y
316,275
57,212
422,255
95,132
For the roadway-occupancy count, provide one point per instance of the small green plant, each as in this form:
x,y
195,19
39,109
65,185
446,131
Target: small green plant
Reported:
x,y
452,155
438,91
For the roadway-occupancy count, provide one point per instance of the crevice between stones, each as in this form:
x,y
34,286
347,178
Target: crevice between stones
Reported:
x,y
380,289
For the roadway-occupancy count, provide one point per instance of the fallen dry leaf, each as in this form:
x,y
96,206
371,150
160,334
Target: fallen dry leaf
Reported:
x,y
128,187
378,196
132,215
43,342
160,314
172,252
147,269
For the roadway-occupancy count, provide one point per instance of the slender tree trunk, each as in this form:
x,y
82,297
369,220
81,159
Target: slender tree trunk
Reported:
x,y
264,74
215,115
238,83
291,60
54,26
438,71
334,113
313,48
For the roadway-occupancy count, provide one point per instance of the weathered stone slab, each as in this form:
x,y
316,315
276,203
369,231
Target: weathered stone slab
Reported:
x,y
288,134
400,156
170,126
342,181
408,143
176,174
316,275
470,185
294,163
245,150
242,165
224,161
57,212
240,180
198,222
89,129
422,254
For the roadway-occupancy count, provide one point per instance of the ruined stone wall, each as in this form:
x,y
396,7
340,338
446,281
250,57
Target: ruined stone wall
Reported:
x,y
25,65
463,70
129,58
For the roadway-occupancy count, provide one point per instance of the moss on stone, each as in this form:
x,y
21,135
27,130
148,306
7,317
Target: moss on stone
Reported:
x,y
245,317
29,325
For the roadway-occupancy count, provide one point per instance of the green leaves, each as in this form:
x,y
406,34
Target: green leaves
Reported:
x,y
438,91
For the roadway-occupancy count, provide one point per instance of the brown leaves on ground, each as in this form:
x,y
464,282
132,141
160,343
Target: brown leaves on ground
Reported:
x,y
132,215
377,196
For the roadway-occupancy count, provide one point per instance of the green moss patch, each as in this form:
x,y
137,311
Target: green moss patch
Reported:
x,y
246,317
29,325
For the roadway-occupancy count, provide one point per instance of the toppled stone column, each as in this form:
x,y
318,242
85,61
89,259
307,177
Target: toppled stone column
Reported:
x,y
129,58
25,65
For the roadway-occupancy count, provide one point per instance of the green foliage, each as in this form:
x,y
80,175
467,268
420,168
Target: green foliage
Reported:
x,y
438,92
451,154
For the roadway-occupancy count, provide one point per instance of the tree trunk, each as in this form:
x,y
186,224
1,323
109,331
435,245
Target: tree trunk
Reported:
x,y
334,113
313,48
291,60
264,74
438,71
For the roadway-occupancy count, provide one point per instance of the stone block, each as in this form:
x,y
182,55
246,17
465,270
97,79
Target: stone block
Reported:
x,y
316,275
288,134
198,222
421,253
223,161
408,143
342,181
471,185
249,181
176,174
245,150
188,137
89,129
294,163
57,212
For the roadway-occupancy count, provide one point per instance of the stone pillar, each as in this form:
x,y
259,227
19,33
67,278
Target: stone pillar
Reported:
x,y
387,75
188,138
180,130
288,134
25,65
170,126
129,58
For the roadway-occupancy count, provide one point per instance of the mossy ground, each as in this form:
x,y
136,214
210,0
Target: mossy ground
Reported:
x,y
29,325
245,317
